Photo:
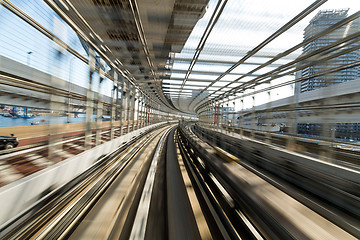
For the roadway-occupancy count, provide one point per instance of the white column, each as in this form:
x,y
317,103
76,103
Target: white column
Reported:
x,y
253,117
99,112
121,103
89,101
113,107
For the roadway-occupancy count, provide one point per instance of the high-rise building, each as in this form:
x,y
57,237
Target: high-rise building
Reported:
x,y
323,20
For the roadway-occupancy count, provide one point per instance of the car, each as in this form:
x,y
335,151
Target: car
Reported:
x,y
8,142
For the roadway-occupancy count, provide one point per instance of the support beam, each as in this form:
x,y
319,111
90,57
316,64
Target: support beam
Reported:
x,y
133,108
121,103
113,106
99,113
89,101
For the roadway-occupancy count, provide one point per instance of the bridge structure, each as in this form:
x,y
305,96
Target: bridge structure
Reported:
x,y
180,119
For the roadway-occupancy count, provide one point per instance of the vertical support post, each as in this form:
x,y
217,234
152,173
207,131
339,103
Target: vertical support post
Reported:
x,y
210,117
133,108
148,113
234,115
138,110
69,96
207,115
151,115
113,102
89,101
146,109
99,111
55,136
268,119
160,119
327,122
214,114
142,118
241,122
153,111
159,114
227,116
253,118
217,116
202,116
291,125
202,112
128,106
53,130
142,111
121,103
156,115
221,117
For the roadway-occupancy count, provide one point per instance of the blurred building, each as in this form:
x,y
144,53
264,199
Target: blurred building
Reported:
x,y
316,65
323,20
346,131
